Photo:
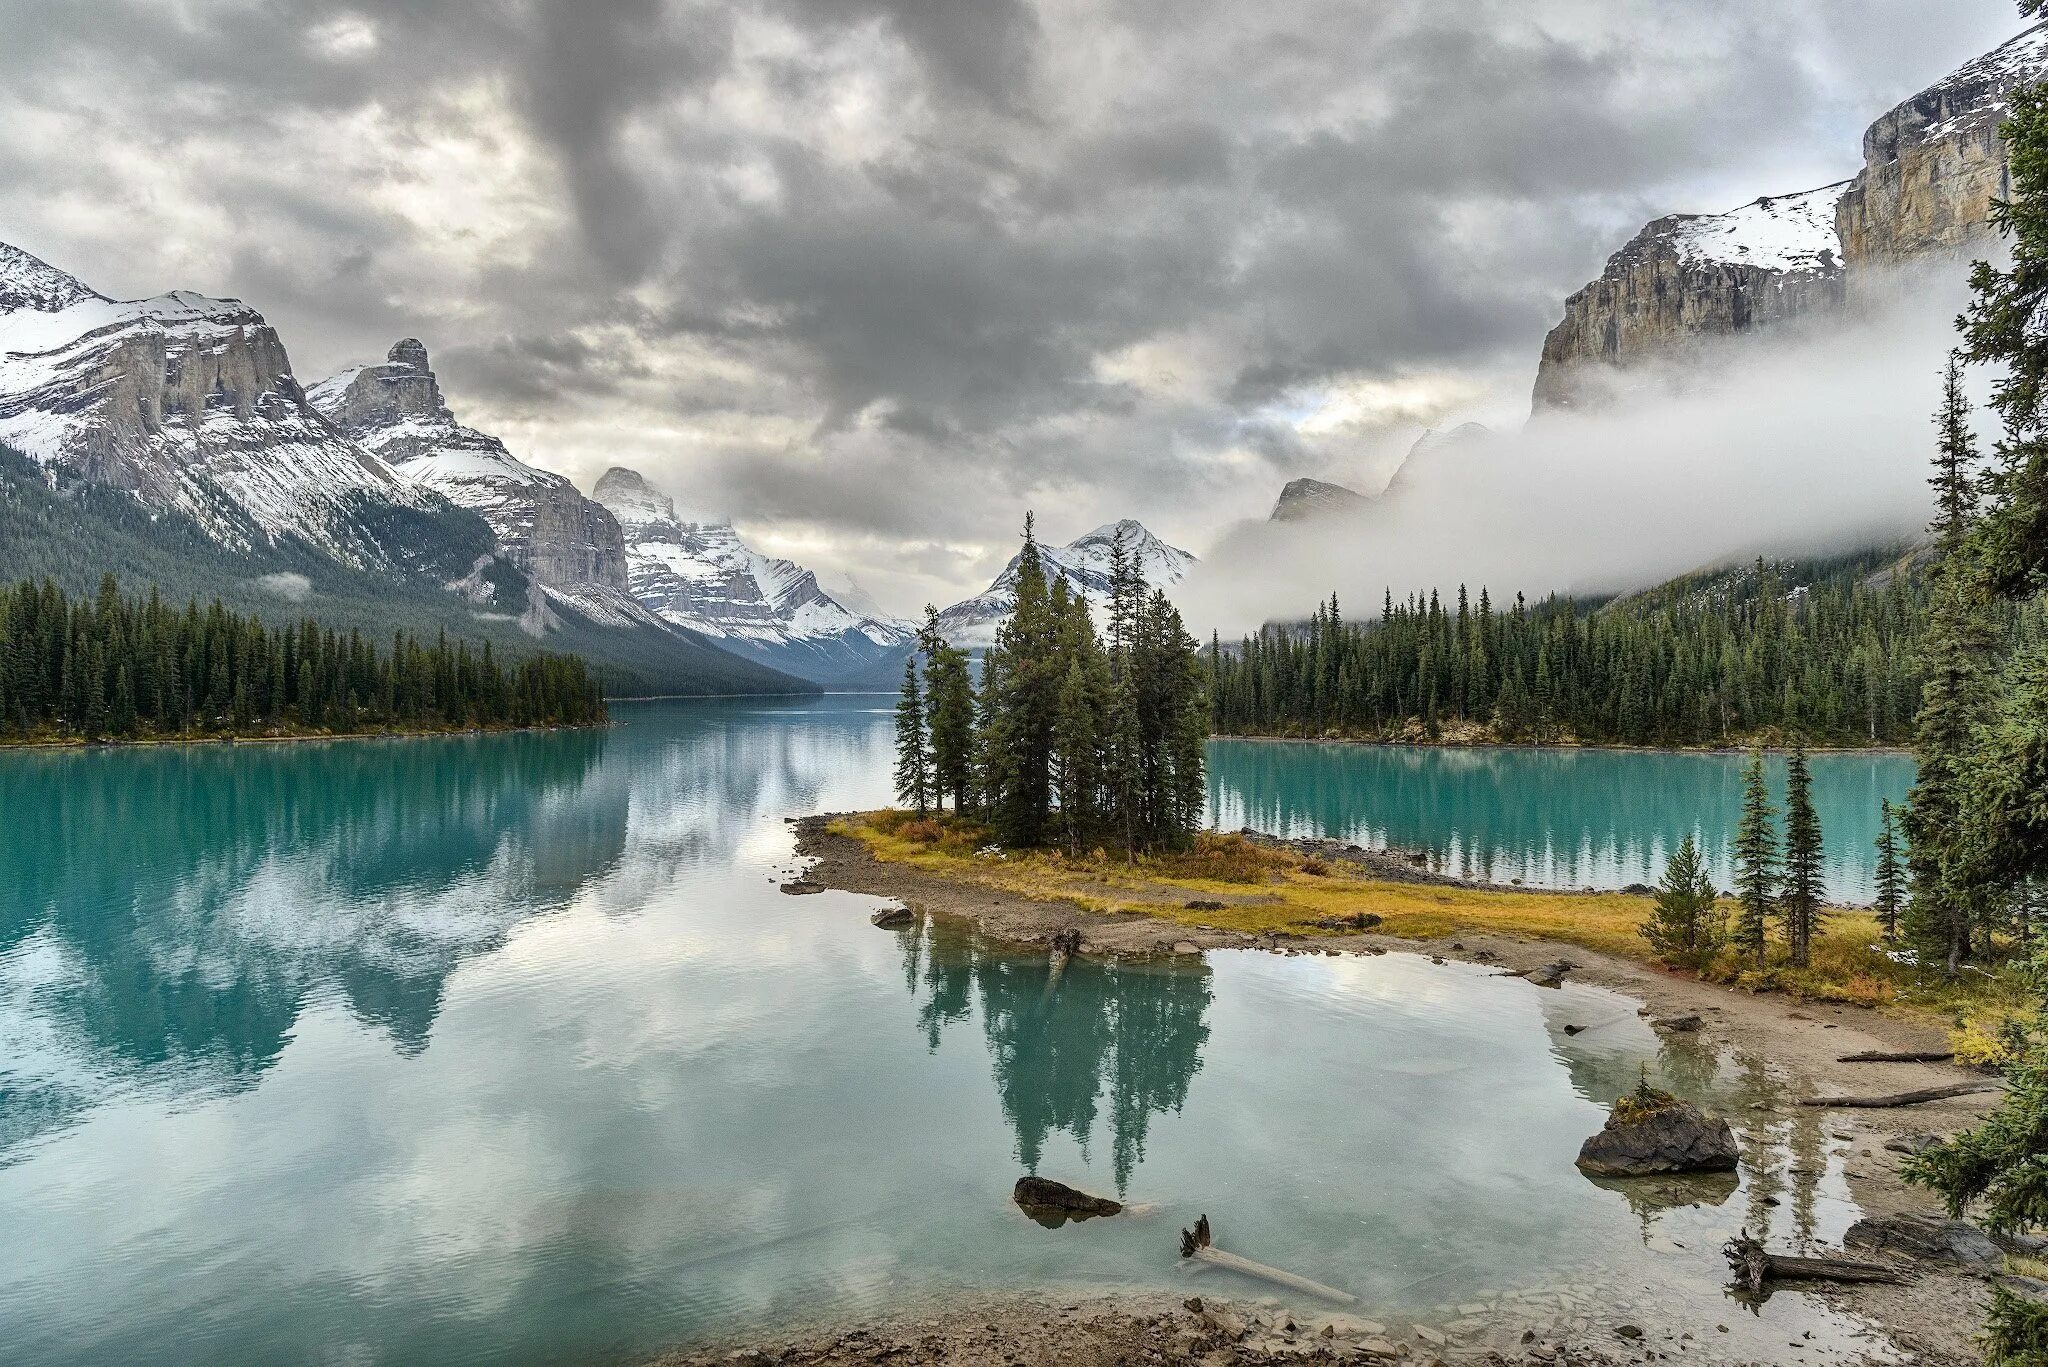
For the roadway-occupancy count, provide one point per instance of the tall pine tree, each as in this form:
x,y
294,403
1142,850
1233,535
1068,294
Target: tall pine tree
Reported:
x,y
1756,861
1799,904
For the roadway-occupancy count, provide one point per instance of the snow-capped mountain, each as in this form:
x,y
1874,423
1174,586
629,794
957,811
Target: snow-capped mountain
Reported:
x,y
1084,564
571,545
697,573
190,402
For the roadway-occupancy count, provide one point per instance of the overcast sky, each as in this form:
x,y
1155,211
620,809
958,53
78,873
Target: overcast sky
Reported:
x,y
874,276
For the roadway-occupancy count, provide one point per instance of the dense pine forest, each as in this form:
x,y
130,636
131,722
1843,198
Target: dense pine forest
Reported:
x,y
111,667
1830,654
1074,739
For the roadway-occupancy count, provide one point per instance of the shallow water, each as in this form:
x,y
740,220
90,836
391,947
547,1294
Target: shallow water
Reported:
x,y
508,1049
1552,818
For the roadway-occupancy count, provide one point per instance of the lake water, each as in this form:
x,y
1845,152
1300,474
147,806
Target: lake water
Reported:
x,y
1553,818
508,1049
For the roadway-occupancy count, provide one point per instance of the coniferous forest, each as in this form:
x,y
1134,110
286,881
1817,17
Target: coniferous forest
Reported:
x,y
111,667
1832,657
1074,739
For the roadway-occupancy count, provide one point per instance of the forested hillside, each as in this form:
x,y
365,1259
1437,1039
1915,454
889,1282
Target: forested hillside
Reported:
x,y
74,531
1829,652
117,668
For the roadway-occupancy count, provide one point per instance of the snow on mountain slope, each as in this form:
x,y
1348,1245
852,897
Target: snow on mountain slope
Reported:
x,y
1083,563
1777,233
190,402
699,574
568,543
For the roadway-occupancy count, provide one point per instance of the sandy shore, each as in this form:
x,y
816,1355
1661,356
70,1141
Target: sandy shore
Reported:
x,y
1929,1319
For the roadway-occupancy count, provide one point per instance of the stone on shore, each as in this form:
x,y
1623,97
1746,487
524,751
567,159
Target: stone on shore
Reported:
x,y
889,918
1668,1136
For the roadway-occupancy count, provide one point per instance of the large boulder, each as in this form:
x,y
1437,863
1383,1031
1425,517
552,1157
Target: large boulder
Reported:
x,y
1926,1236
1651,1133
1052,1203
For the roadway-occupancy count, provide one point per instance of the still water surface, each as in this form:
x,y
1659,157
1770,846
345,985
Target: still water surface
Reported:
x,y
1553,818
508,1049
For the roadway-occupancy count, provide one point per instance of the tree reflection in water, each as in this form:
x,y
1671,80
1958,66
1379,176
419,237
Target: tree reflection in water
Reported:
x,y
1134,1025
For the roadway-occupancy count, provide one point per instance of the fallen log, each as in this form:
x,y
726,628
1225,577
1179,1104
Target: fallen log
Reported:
x,y
1754,1266
1899,1056
1886,1102
1195,1244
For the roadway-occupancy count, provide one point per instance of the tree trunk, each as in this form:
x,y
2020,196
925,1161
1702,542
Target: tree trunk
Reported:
x,y
1754,1267
1886,1102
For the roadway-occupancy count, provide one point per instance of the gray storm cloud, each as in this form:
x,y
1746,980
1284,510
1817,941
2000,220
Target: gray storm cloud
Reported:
x,y
876,275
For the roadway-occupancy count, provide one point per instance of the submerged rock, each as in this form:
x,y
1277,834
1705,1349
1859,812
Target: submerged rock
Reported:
x,y
1052,1203
1650,1132
802,887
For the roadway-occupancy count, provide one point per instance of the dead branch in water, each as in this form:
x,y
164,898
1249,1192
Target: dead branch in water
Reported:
x,y
1754,1266
1886,1102
1195,1243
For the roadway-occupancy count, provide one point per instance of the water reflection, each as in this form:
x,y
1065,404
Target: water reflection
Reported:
x,y
168,914
1555,818
1054,1041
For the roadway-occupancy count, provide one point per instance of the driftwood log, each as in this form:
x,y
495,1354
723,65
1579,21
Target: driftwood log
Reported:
x,y
1898,1056
1195,1243
1754,1267
1914,1098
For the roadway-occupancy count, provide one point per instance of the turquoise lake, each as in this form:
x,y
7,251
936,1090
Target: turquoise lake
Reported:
x,y
509,1049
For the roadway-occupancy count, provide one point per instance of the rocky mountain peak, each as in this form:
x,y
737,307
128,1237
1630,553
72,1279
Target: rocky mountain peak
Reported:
x,y
29,282
1306,498
409,352
632,500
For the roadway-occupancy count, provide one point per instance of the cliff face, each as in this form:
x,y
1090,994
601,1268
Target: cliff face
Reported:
x,y
543,522
1691,276
1932,167
190,402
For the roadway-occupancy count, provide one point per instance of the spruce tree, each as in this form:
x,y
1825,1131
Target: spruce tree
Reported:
x,y
1800,902
1891,879
2003,1162
949,714
913,756
1756,860
1687,926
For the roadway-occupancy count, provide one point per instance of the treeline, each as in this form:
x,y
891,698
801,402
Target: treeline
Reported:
x,y
1074,738
118,668
1836,662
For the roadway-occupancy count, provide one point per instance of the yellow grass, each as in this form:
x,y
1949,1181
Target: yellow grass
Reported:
x,y
1266,890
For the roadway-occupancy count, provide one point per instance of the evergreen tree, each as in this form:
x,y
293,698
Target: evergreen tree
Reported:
x,y
1021,698
913,755
2000,774
1949,892
1756,861
1687,927
1800,902
949,714
1891,880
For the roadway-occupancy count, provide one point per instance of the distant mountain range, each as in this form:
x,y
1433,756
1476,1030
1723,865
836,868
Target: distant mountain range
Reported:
x,y
168,440
187,409
1084,563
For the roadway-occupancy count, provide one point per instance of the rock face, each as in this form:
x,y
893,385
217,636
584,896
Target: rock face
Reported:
x,y
1690,276
697,573
1084,563
1928,1237
544,523
1305,499
190,402
1676,1138
1932,167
